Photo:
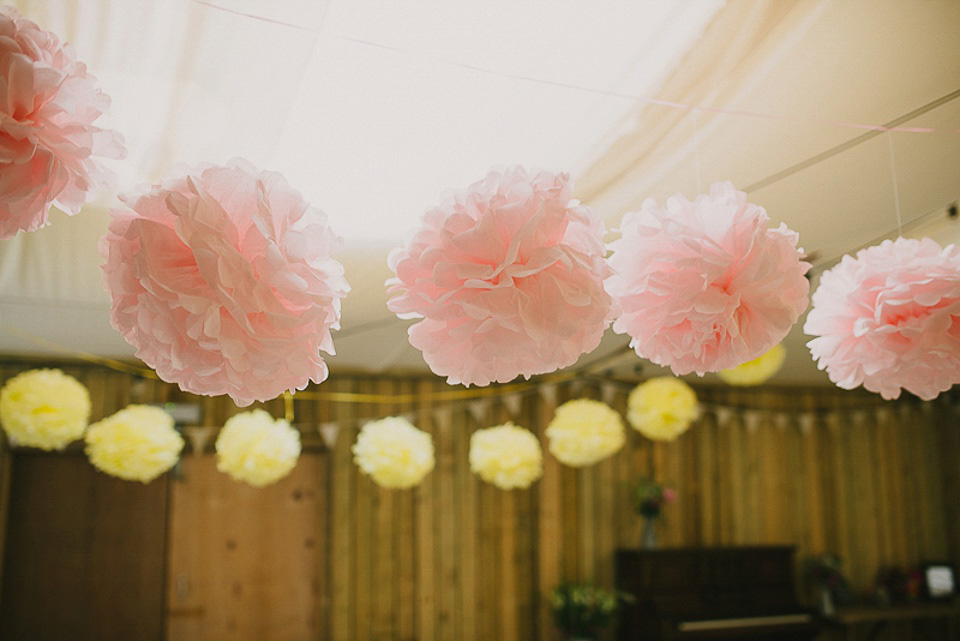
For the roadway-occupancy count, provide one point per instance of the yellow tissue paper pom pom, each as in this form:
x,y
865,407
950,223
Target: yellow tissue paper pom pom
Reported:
x,y
137,443
584,432
44,408
662,408
507,456
759,370
394,452
254,448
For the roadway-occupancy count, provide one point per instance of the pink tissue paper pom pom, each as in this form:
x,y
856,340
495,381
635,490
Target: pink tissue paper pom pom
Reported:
x,y
706,285
507,276
889,319
224,282
48,104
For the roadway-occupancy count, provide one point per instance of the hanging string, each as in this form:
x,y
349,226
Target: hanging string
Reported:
x,y
696,148
892,126
896,189
217,7
117,366
288,407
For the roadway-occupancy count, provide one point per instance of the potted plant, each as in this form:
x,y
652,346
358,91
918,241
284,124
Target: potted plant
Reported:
x,y
649,499
581,611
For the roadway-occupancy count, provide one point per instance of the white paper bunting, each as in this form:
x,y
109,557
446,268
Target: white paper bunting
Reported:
x,y
198,437
514,405
479,409
328,433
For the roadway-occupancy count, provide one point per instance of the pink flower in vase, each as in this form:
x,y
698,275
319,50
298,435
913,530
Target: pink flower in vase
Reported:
x,y
669,495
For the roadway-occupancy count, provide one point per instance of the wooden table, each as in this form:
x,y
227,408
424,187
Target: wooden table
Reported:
x,y
875,619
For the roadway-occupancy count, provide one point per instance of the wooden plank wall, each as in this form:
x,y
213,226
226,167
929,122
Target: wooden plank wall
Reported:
x,y
85,554
828,471
242,562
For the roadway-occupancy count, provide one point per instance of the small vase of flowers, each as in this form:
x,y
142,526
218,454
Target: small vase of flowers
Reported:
x,y
649,499
581,611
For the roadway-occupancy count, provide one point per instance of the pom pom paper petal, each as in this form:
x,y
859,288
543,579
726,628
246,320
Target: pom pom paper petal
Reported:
x,y
394,452
44,408
507,277
224,282
255,449
47,137
705,285
889,319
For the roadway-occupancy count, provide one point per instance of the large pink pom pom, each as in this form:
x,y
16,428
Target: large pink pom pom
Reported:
x,y
224,282
48,104
890,319
705,285
508,278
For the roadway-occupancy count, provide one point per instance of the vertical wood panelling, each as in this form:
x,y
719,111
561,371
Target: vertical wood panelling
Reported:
x,y
426,547
242,560
406,553
367,539
455,558
343,543
549,530
84,555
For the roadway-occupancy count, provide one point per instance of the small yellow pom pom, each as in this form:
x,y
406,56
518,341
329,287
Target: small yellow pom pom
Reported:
x,y
757,371
44,408
662,408
394,452
137,443
584,432
507,456
254,448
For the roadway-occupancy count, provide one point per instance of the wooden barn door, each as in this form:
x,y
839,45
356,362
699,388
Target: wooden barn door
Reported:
x,y
245,563
84,553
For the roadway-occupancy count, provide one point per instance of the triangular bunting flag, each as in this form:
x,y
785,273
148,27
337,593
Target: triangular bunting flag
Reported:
x,y
198,437
329,432
549,394
514,404
479,409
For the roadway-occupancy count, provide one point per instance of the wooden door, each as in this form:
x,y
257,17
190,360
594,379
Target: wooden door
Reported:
x,y
243,561
84,553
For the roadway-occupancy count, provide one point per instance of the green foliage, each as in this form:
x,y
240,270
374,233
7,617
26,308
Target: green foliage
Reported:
x,y
649,497
583,609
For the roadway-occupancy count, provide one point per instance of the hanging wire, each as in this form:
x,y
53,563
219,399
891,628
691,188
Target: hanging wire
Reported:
x,y
896,188
253,16
696,148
